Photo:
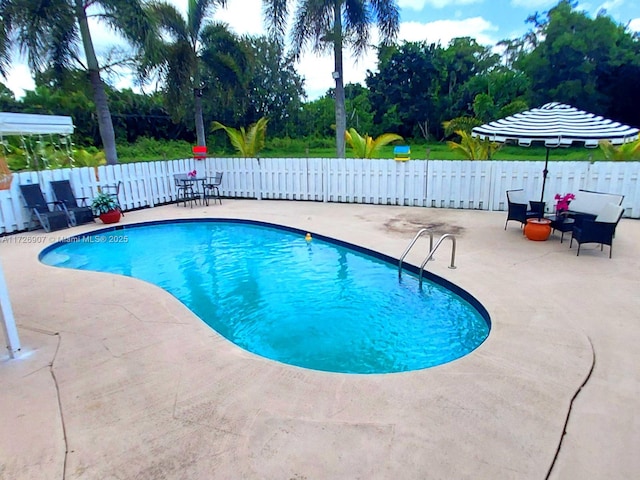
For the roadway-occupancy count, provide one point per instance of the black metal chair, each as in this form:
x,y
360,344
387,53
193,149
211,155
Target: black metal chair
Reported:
x,y
212,188
79,213
601,230
185,189
519,209
39,211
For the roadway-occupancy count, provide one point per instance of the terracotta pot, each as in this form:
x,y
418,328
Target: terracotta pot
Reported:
x,y
537,229
112,216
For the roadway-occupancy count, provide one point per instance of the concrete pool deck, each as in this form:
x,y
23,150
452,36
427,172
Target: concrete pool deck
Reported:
x,y
118,380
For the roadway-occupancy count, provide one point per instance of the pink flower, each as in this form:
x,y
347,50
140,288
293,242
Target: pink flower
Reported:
x,y
192,173
563,201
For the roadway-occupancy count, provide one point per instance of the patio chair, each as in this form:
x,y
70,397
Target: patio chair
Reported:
x,y
39,211
185,189
212,188
519,209
601,230
79,213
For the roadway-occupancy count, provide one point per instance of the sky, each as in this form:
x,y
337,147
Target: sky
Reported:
x,y
488,21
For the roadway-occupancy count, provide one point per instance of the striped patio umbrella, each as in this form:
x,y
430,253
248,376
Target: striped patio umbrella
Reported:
x,y
555,125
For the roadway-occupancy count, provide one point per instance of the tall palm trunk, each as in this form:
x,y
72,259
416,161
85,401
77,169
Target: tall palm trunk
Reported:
x,y
197,101
105,124
341,115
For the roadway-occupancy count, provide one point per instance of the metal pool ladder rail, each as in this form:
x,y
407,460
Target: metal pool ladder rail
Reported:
x,y
432,251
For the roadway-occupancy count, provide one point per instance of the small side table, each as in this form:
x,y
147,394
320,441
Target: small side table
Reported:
x,y
537,229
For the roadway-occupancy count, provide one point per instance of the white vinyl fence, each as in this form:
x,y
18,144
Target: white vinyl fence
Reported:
x,y
462,184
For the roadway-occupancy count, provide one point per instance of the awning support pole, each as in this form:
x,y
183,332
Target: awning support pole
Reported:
x,y
8,321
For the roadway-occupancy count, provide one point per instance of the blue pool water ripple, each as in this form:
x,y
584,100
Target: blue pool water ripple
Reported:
x,y
312,304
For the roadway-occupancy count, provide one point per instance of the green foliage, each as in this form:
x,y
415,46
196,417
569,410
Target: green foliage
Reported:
x,y
248,142
276,89
464,124
184,53
368,147
90,157
591,63
418,85
103,203
474,148
151,149
626,151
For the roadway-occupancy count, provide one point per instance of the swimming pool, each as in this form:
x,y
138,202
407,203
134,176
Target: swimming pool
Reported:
x,y
319,304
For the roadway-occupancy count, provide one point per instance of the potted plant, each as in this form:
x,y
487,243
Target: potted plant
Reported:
x,y
106,208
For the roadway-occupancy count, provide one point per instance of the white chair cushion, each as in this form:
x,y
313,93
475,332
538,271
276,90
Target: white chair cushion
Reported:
x,y
610,213
593,202
517,196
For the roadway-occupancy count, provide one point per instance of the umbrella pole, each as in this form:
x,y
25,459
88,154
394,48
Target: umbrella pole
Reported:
x,y
544,174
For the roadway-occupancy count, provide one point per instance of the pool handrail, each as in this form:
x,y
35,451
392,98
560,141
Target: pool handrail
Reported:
x,y
412,243
433,250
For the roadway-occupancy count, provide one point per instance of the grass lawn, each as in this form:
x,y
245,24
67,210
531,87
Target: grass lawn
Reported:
x,y
441,151
167,150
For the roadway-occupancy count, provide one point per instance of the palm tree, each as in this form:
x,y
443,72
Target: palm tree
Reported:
x,y
474,148
368,147
248,142
183,52
334,23
50,33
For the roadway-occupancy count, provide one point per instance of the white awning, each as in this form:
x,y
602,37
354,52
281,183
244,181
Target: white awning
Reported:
x,y
32,124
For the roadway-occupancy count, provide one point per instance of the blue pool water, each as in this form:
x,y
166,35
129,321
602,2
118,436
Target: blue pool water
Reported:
x,y
317,304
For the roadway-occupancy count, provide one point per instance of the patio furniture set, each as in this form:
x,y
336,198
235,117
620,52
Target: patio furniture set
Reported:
x,y
192,188
592,217
65,211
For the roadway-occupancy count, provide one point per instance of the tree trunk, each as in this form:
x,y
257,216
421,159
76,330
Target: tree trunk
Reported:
x,y
105,124
341,114
197,102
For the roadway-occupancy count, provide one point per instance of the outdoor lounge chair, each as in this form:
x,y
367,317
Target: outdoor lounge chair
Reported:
x,y
601,230
78,213
39,211
520,209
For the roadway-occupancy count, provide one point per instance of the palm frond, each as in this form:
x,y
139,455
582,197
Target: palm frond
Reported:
x,y
626,151
248,142
473,148
368,147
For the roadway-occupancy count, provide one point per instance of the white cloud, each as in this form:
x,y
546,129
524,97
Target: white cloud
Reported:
x,y
419,5
244,18
444,31
634,25
611,5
